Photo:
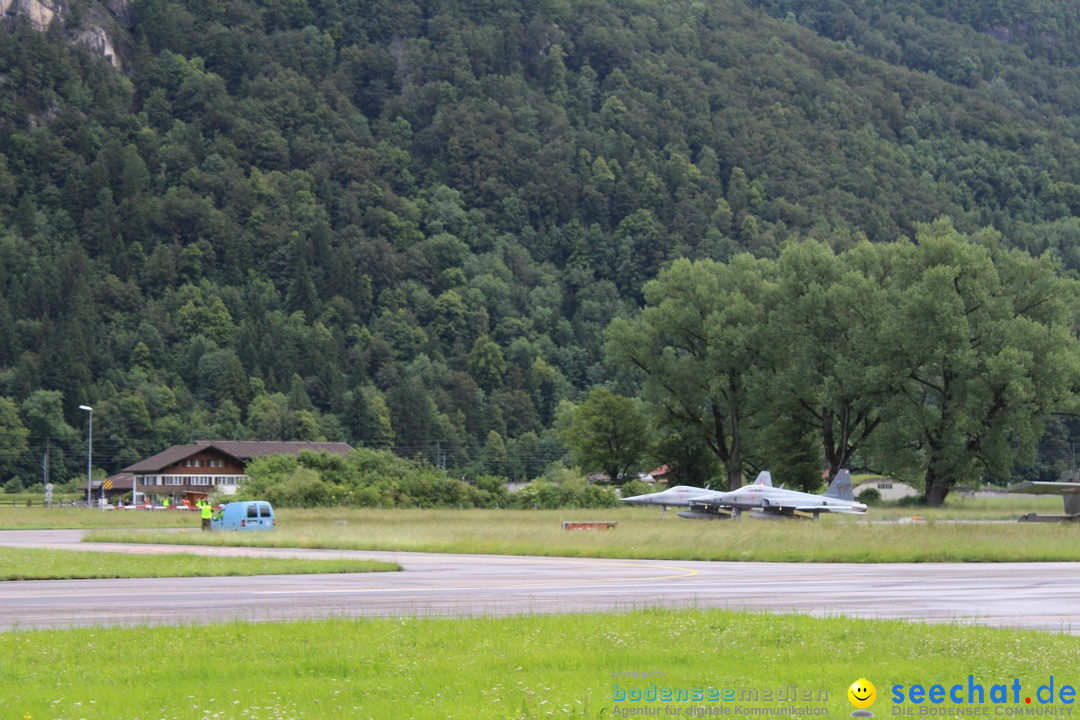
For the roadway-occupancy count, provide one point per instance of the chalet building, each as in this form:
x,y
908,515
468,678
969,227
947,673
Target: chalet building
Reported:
x,y
214,466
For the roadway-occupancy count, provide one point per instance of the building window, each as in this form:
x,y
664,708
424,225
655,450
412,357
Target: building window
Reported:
x,y
884,486
187,463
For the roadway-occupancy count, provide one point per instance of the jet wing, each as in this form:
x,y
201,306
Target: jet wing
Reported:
x,y
708,502
776,508
1069,491
828,508
704,505
701,508
1034,487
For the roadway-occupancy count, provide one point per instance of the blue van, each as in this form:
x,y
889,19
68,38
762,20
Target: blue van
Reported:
x,y
246,515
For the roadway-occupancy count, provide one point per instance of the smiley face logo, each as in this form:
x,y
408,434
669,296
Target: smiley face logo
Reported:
x,y
862,694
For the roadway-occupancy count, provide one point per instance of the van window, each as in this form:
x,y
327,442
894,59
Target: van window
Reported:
x,y
264,510
252,511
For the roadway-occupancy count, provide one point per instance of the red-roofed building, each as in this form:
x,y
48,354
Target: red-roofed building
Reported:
x,y
212,466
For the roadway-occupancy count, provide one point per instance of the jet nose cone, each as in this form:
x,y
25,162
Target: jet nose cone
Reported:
x,y
634,499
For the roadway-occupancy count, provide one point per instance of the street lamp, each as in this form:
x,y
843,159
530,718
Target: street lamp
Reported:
x,y
89,448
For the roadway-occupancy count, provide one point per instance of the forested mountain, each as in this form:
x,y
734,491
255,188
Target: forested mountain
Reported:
x,y
407,224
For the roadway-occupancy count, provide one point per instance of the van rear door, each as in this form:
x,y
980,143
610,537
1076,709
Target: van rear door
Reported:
x,y
266,516
260,515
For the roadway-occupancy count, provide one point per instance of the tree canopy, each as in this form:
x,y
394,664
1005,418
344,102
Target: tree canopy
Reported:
x,y
939,358
407,224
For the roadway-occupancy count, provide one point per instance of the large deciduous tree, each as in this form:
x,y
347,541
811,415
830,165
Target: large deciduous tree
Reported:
x,y
606,432
823,377
697,341
982,342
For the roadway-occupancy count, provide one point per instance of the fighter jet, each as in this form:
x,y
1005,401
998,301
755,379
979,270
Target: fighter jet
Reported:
x,y
779,502
1069,490
692,497
761,498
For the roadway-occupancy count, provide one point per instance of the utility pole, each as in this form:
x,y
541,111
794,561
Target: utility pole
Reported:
x,y
89,449
45,474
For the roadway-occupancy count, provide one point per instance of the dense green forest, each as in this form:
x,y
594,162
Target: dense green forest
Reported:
x,y
408,224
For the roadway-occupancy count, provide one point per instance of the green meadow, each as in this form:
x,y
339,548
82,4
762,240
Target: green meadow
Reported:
x,y
39,518
499,668
35,564
640,533
957,507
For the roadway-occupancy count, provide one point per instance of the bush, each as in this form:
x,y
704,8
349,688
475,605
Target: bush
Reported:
x,y
377,478
870,496
541,495
636,487
595,496
491,492
545,495
304,488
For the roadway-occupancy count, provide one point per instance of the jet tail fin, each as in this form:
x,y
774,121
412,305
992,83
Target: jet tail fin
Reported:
x,y
764,478
840,487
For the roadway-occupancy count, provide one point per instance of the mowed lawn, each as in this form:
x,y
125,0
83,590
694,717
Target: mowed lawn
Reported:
x,y
516,667
640,533
37,564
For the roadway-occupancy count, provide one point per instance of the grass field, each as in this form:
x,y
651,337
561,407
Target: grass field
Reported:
x,y
982,506
640,534
958,507
885,535
35,518
520,667
34,564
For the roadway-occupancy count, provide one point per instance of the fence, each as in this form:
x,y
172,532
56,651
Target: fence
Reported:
x,y
30,502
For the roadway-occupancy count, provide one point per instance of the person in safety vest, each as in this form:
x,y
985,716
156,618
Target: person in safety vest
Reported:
x,y
207,514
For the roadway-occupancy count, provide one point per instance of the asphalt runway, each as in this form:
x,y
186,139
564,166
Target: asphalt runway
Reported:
x,y
1039,596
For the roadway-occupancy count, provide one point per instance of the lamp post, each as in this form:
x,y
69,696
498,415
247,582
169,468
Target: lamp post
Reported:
x,y
89,448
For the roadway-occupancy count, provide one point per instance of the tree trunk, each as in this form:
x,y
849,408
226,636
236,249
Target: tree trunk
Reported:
x,y
828,440
734,475
734,464
936,488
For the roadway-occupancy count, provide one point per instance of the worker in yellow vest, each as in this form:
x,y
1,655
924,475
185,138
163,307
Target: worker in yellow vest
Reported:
x,y
207,514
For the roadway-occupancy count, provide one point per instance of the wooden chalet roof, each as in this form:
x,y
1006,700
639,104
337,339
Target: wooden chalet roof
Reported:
x,y
243,450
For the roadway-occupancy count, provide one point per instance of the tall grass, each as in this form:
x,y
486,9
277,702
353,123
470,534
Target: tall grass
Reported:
x,y
640,534
518,667
958,507
34,518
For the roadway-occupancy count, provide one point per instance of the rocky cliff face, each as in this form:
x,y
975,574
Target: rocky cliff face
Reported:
x,y
97,26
